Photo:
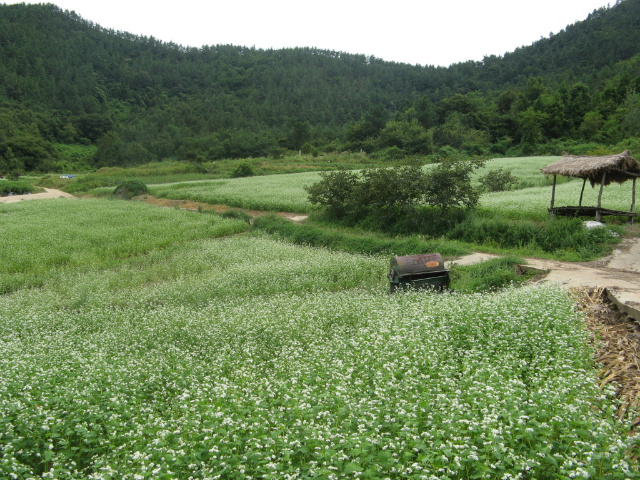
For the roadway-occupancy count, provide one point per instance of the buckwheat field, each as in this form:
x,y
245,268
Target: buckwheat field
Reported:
x,y
218,355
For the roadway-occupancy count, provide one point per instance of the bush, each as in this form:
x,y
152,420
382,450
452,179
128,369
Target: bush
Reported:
x,y
17,188
334,191
130,189
387,197
243,170
498,180
448,184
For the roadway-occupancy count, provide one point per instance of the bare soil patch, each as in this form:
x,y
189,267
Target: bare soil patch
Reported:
x,y
48,193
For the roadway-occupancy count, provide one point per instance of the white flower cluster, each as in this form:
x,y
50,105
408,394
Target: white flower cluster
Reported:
x,y
249,358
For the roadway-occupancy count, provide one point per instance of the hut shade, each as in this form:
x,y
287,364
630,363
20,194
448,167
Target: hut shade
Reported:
x,y
619,168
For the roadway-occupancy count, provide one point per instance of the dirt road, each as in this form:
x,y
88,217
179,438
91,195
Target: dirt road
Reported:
x,y
619,274
49,193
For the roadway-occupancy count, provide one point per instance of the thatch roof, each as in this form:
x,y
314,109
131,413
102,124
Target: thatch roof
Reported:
x,y
619,168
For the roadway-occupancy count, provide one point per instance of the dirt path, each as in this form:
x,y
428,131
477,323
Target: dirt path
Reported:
x,y
618,274
199,206
607,292
48,193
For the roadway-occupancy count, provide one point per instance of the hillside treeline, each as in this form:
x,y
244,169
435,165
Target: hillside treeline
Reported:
x,y
67,81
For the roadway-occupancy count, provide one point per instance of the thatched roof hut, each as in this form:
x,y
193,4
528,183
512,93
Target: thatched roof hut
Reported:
x,y
598,170
612,168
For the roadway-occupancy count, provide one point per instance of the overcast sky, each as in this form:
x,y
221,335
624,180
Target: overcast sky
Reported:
x,y
425,32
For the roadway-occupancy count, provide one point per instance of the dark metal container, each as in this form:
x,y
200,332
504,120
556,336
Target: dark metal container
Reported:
x,y
418,271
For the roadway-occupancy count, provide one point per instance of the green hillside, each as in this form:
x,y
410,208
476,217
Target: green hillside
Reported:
x,y
67,81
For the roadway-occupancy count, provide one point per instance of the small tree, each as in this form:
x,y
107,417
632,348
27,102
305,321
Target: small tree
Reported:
x,y
390,192
334,191
498,180
448,184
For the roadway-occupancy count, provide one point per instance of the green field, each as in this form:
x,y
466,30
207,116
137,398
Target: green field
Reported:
x,y
286,192
270,192
192,352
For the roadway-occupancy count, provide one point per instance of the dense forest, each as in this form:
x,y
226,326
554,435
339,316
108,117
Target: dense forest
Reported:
x,y
74,95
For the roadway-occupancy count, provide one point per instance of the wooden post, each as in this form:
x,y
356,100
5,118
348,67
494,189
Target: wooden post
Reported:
x,y
582,192
598,214
553,196
633,199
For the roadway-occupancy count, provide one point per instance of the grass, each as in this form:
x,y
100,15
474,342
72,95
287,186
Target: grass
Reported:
x,y
41,239
76,160
195,356
286,193
269,193
562,238
512,222
15,187
348,240
487,276
532,203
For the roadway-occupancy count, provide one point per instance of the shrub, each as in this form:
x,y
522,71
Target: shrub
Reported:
x,y
498,180
130,189
491,275
334,191
243,170
17,188
448,184
386,197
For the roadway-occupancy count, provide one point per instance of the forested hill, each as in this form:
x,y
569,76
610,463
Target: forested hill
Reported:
x,y
65,80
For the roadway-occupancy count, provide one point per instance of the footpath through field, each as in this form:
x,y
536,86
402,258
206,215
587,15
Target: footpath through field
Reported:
x,y
619,274
48,193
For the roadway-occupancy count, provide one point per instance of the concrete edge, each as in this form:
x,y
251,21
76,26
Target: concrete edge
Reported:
x,y
522,269
630,310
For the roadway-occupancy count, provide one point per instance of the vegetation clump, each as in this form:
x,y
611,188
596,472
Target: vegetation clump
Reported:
x,y
488,276
389,196
15,188
130,189
498,180
243,170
